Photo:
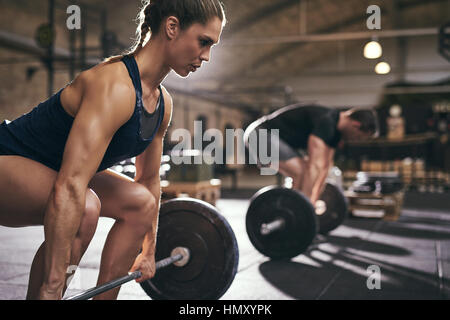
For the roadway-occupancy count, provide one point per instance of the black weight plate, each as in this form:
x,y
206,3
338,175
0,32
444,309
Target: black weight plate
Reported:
x,y
300,228
337,209
214,256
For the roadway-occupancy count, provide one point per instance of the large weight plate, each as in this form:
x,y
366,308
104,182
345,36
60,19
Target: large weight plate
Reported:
x,y
300,228
214,255
336,209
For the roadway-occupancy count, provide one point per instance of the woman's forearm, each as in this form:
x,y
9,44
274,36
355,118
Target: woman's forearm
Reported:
x,y
62,220
149,244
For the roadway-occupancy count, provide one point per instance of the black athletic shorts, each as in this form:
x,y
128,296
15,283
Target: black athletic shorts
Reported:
x,y
286,152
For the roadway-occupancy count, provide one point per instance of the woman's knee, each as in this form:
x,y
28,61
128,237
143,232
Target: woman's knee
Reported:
x,y
142,207
90,217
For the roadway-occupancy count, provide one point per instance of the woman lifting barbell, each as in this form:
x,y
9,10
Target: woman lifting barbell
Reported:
x,y
54,160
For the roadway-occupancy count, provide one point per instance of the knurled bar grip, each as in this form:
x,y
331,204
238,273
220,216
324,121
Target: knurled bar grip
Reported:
x,y
118,282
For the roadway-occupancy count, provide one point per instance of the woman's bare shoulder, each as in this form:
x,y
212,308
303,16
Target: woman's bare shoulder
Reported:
x,y
104,84
107,74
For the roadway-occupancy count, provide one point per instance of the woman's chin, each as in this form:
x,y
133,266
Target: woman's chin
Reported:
x,y
182,73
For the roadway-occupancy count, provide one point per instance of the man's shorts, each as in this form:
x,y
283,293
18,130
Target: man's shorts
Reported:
x,y
285,151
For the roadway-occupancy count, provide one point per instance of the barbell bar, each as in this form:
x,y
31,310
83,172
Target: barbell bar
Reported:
x,y
279,223
268,228
180,254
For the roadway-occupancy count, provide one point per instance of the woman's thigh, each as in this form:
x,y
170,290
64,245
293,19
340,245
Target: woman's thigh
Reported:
x,y
25,187
119,194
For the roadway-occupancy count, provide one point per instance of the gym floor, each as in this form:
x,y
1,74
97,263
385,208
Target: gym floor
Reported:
x,y
413,255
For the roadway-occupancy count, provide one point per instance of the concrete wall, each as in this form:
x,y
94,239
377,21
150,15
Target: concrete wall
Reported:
x,y
19,93
187,110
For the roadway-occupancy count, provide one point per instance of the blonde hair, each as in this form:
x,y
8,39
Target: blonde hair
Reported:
x,y
188,12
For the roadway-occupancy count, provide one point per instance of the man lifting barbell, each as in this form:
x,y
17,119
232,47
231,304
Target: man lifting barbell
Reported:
x,y
316,131
281,222
54,160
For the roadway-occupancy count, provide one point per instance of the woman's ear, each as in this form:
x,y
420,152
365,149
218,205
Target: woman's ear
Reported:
x,y
172,27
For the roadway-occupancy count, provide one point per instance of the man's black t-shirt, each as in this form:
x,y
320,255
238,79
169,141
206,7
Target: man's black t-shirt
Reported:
x,y
297,122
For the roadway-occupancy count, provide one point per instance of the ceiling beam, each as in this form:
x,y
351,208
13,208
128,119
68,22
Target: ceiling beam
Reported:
x,y
267,11
26,45
285,48
338,36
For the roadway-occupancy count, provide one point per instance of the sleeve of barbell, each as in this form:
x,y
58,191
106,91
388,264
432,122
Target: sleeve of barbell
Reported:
x,y
106,287
268,228
168,261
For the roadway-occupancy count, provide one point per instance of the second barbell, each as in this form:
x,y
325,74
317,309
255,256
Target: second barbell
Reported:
x,y
282,223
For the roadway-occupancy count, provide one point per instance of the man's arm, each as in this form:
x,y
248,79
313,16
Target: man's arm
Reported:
x,y
147,172
319,162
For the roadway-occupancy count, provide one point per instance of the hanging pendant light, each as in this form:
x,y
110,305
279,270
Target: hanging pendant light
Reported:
x,y
382,68
373,50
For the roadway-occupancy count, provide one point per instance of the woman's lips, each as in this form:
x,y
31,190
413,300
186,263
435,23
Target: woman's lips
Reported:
x,y
194,67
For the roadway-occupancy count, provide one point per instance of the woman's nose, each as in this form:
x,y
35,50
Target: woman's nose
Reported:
x,y
206,55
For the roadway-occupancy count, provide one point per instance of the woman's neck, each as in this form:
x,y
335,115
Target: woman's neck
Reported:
x,y
151,62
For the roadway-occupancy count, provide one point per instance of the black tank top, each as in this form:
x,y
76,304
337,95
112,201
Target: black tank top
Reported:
x,y
42,133
297,122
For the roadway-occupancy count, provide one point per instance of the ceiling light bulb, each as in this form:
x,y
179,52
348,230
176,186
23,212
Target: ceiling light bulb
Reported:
x,y
373,50
383,68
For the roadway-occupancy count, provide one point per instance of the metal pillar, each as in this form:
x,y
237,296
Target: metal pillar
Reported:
x,y
51,48
83,40
73,55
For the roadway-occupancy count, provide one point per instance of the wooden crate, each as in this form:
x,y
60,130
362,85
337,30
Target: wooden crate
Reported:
x,y
391,204
208,191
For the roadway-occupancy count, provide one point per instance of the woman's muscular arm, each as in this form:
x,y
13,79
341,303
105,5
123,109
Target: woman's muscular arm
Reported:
x,y
106,104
